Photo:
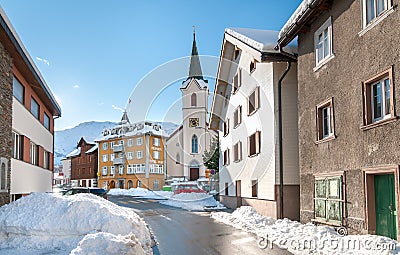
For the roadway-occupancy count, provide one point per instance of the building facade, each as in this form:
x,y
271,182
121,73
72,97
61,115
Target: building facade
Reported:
x,y
245,111
132,155
348,113
188,143
66,169
30,125
84,164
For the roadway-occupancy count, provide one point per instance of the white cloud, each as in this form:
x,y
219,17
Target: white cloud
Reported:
x,y
43,60
117,108
76,86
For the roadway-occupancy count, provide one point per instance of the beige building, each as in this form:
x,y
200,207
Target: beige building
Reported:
x,y
245,111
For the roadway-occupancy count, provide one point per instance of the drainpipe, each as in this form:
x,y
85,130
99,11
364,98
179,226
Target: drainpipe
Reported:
x,y
280,138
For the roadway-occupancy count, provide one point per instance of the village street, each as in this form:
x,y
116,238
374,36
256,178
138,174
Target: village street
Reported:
x,y
182,232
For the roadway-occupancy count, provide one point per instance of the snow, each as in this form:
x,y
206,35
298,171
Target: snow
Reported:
x,y
305,238
140,192
262,40
74,153
94,148
193,201
298,13
54,224
202,84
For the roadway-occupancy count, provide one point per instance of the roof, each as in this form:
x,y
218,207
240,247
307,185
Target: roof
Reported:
x,y
93,149
305,12
195,67
74,153
202,84
177,130
128,130
17,43
262,40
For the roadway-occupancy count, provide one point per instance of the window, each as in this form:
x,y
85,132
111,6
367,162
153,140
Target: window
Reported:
x,y
253,101
253,64
105,145
18,144
121,169
121,155
35,108
378,98
34,154
254,144
374,9
46,160
254,188
105,158
139,184
237,152
156,155
18,91
156,185
104,170
195,144
121,142
236,53
112,144
46,121
112,170
328,201
237,116
130,155
3,176
226,127
156,169
325,120
323,43
112,157
226,157
139,141
139,155
130,142
193,99
237,81
226,189
130,169
156,141
178,158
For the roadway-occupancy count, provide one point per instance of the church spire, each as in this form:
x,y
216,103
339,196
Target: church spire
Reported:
x,y
195,67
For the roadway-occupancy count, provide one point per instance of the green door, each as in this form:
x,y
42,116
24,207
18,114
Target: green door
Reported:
x,y
385,206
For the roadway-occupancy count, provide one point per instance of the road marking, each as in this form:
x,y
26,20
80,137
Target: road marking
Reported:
x,y
243,240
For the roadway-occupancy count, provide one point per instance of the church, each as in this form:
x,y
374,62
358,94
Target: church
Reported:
x,y
186,145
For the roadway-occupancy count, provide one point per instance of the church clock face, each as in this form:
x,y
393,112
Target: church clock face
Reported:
x,y
193,122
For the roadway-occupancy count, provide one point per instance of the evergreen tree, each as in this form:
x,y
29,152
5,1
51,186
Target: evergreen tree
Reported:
x,y
211,157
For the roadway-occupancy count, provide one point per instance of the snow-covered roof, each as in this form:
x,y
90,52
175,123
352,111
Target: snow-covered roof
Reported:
x,y
201,83
128,130
94,148
74,153
261,40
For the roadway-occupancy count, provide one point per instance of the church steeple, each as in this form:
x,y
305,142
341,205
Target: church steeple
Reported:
x,y
195,67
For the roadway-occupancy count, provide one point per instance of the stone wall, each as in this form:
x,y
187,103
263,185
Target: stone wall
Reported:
x,y
6,78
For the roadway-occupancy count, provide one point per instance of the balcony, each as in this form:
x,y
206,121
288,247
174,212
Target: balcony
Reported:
x,y
119,161
118,148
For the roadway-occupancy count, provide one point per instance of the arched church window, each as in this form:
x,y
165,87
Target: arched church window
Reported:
x,y
195,144
193,100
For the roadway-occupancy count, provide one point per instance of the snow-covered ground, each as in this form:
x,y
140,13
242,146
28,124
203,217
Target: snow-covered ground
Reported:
x,y
140,192
193,201
45,223
304,238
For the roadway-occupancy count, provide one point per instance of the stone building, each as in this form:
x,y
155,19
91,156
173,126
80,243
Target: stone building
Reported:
x,y
132,155
84,165
187,144
245,110
28,109
349,58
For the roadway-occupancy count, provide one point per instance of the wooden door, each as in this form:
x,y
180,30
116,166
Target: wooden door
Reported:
x,y
194,173
385,206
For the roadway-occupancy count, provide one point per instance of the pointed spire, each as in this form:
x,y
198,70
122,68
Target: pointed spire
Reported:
x,y
195,67
124,119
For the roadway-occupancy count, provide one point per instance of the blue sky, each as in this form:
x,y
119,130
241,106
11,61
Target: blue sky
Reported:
x,y
93,53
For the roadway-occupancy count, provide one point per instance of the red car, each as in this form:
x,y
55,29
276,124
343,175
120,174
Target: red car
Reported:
x,y
186,188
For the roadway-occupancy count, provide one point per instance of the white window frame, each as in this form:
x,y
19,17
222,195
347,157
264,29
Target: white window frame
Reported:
x,y
156,155
33,154
257,141
121,169
237,152
256,105
156,141
130,142
112,144
129,155
385,114
387,9
104,170
139,154
105,146
237,116
112,170
17,145
326,26
105,157
112,157
130,169
139,141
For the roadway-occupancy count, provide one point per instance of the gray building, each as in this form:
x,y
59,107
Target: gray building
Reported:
x,y
348,107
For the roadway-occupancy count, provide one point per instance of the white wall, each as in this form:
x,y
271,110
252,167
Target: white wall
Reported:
x,y
174,147
27,178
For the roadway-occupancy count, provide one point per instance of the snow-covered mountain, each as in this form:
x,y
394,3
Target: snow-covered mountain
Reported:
x,y
66,140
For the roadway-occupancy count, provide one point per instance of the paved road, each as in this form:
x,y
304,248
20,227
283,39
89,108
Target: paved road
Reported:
x,y
181,232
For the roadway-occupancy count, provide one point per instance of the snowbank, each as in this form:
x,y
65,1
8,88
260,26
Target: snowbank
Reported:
x,y
56,224
305,238
140,192
193,201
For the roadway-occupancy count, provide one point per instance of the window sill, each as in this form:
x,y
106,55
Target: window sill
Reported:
x,y
253,112
323,62
237,125
326,139
254,155
225,135
379,123
237,161
376,21
329,223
